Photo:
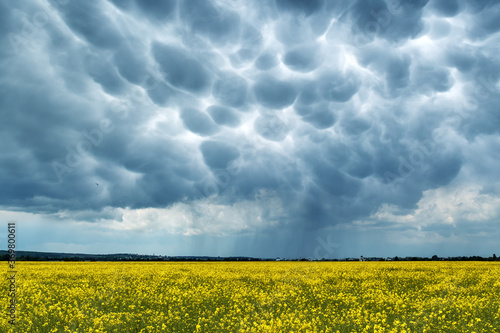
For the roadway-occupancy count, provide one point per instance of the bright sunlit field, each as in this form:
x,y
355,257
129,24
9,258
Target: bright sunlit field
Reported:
x,y
256,297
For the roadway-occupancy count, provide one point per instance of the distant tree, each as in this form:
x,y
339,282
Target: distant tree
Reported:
x,y
494,256
435,257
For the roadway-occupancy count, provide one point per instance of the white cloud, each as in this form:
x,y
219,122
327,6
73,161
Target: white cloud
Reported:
x,y
204,216
445,206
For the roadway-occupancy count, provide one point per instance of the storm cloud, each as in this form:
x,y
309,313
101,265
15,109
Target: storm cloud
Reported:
x,y
264,125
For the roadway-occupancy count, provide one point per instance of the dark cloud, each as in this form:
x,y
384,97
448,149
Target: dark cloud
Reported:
x,y
130,64
333,181
230,90
447,8
360,167
84,17
476,6
273,93
354,126
336,153
162,94
485,121
304,7
159,10
392,20
309,94
208,19
251,44
122,4
321,115
181,69
462,58
197,122
103,73
430,80
218,154
224,116
338,87
304,59
444,169
305,116
397,74
266,61
486,22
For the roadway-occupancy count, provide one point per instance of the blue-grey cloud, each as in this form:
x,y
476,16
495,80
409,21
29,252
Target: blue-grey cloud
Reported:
x,y
285,119
271,128
230,90
447,8
303,59
180,69
83,17
321,115
273,93
130,64
218,154
160,11
266,61
338,87
300,6
197,122
210,20
224,116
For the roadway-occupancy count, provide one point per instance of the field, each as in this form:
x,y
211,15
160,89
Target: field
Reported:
x,y
256,297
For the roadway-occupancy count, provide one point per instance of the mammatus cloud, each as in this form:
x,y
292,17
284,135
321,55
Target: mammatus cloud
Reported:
x,y
222,118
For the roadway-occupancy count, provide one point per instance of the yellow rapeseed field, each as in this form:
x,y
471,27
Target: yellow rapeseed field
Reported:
x,y
256,297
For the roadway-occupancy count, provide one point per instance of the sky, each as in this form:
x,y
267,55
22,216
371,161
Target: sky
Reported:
x,y
286,128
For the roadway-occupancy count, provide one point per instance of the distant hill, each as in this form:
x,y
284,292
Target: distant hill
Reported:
x,y
57,256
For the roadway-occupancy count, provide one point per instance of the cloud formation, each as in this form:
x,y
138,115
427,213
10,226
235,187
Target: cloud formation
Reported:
x,y
191,111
